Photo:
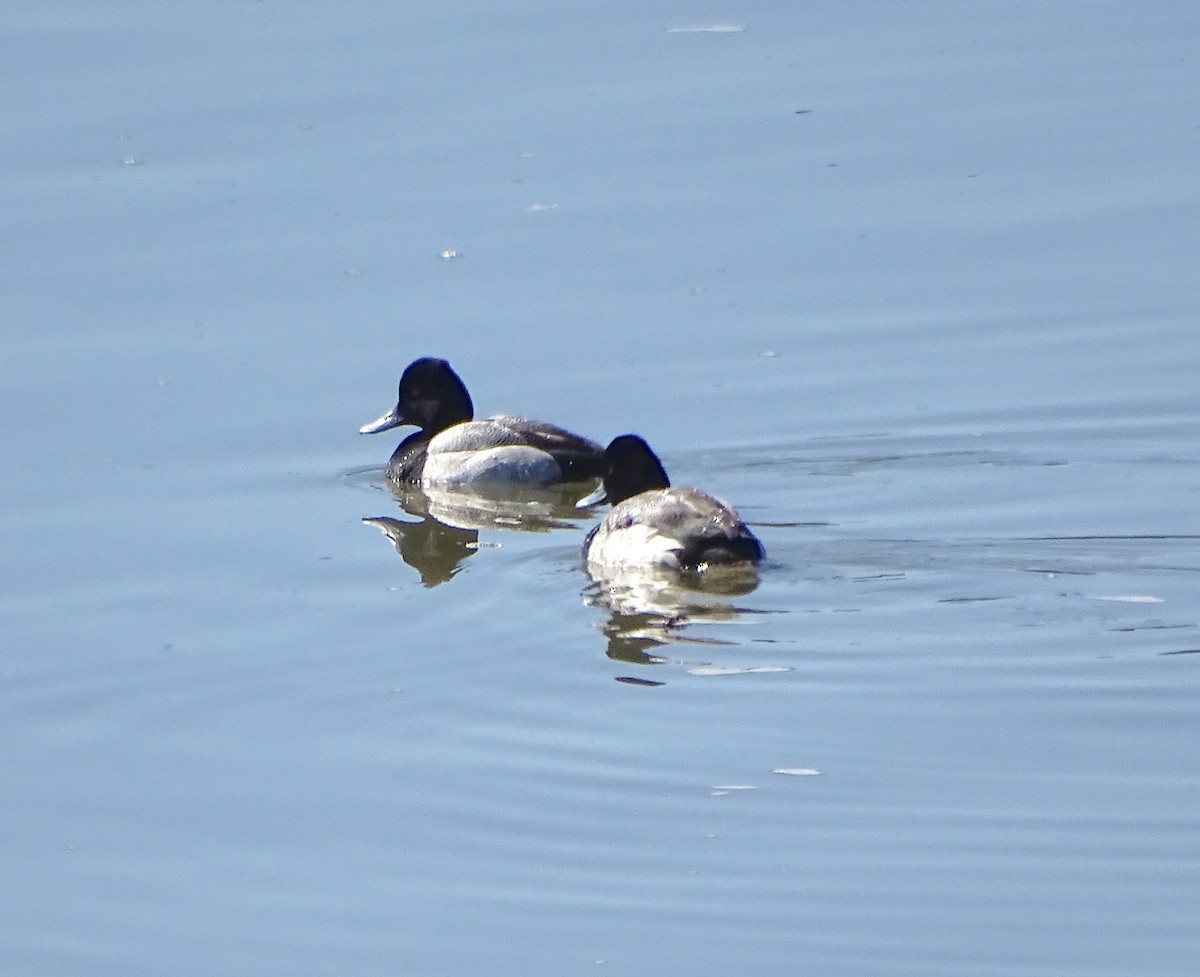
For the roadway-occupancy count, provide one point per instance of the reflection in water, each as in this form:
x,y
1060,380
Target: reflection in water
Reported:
x,y
450,520
526,509
433,549
650,607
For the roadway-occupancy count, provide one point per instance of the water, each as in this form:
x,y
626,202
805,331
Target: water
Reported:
x,y
914,287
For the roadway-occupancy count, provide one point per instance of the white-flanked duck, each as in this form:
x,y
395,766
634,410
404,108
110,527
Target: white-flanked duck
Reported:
x,y
452,449
653,525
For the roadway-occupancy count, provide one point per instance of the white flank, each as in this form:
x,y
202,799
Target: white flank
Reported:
x,y
635,545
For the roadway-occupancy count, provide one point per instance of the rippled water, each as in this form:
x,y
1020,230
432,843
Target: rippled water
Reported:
x,y
914,288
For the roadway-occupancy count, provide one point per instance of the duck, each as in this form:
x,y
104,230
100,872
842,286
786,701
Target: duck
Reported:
x,y
652,525
452,449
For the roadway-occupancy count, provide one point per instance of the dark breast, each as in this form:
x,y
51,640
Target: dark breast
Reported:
x,y
408,460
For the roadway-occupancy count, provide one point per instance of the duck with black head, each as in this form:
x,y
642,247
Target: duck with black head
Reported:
x,y
451,449
655,526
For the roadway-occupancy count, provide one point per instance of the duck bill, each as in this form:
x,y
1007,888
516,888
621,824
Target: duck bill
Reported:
x,y
391,419
594,497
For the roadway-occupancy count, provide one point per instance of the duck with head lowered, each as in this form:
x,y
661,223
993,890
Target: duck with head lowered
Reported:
x,y
452,449
653,525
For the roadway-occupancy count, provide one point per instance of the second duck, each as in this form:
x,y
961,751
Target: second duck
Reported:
x,y
654,525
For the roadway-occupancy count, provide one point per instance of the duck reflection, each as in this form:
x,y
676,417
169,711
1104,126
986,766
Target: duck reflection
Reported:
x,y
448,522
432,548
651,607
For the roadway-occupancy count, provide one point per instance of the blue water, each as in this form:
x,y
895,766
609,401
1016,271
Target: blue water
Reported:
x,y
912,285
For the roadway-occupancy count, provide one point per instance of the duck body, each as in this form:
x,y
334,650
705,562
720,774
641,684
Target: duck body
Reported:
x,y
500,450
653,525
451,449
673,528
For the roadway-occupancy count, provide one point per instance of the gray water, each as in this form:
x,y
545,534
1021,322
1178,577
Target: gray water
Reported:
x,y
913,285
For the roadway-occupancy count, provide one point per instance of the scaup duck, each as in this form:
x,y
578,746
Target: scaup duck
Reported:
x,y
654,525
452,449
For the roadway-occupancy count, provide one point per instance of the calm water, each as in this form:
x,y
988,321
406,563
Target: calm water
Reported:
x,y
914,286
